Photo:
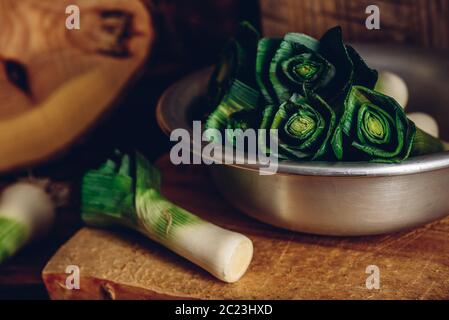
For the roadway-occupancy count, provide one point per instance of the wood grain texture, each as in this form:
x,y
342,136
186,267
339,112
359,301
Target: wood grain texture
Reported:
x,y
410,22
286,265
56,83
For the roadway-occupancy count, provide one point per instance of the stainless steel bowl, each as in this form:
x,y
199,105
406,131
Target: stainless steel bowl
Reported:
x,y
344,199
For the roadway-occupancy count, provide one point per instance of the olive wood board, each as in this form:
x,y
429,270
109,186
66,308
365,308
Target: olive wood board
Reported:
x,y
286,265
58,82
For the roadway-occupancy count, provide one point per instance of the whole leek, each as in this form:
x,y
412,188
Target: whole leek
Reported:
x,y
125,191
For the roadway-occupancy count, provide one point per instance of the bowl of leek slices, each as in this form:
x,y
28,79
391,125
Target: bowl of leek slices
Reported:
x,y
360,131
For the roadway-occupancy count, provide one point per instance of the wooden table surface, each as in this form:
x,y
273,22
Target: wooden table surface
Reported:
x,y
413,264
286,265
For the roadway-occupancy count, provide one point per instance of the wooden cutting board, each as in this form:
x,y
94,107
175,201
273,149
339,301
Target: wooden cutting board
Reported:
x,y
57,82
286,265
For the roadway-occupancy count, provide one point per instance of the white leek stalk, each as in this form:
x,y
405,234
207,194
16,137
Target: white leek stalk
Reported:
x,y
26,214
126,191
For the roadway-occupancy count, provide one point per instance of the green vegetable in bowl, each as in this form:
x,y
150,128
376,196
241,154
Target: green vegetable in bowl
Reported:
x,y
233,86
240,97
374,127
319,96
299,62
305,126
241,121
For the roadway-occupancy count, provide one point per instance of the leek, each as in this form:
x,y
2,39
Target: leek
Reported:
x,y
321,97
236,62
232,86
240,122
299,62
305,126
26,214
239,98
125,191
374,127
13,236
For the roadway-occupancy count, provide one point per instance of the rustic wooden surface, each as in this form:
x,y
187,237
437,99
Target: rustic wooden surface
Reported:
x,y
410,22
413,265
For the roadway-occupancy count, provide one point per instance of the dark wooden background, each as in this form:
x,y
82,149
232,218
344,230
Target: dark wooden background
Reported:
x,y
412,22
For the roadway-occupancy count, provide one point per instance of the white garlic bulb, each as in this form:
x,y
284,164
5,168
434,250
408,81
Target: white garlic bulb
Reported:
x,y
394,86
425,122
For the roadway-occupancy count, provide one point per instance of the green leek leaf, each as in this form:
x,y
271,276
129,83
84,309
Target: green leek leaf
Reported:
x,y
265,52
305,126
237,62
327,67
241,121
363,75
424,144
13,235
130,196
239,98
375,128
